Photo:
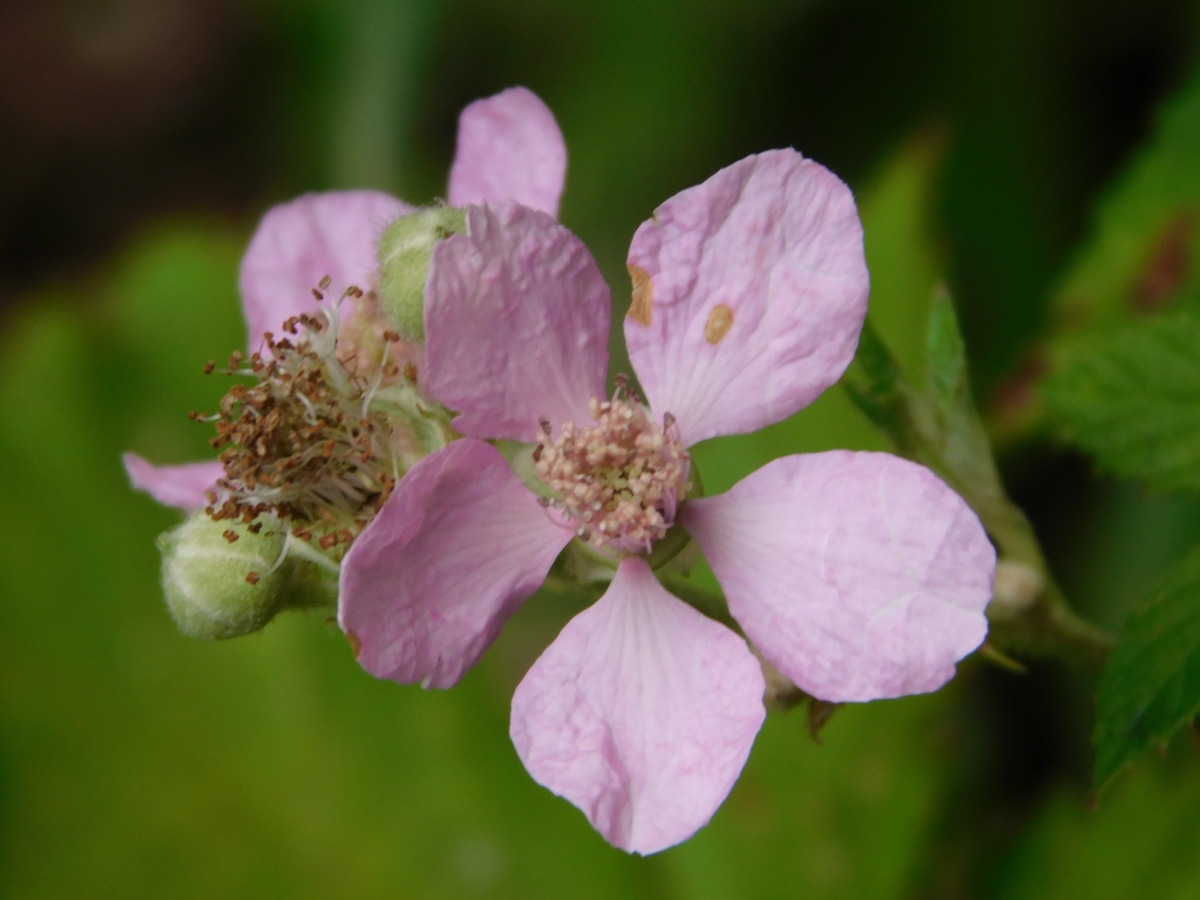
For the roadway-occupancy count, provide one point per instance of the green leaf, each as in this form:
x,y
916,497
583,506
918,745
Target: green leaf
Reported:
x,y
1144,233
1151,686
1131,397
1139,257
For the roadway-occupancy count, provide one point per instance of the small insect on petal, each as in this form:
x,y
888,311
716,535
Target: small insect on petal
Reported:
x,y
720,320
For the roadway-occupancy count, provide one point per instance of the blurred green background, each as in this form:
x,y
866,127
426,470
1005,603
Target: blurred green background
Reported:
x,y
143,139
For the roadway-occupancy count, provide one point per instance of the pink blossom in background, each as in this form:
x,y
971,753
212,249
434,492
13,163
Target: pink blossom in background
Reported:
x,y
857,575
509,147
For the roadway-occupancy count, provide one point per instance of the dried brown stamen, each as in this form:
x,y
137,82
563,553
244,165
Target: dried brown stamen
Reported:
x,y
301,441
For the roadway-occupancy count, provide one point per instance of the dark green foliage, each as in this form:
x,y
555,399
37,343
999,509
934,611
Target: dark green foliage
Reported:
x,y
1152,684
1139,255
1130,396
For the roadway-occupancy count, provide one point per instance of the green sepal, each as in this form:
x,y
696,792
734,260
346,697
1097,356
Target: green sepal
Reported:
x,y
404,250
216,588
519,456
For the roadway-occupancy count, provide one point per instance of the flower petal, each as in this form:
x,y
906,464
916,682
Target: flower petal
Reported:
x,y
749,293
516,324
857,575
299,243
641,713
180,486
457,548
509,148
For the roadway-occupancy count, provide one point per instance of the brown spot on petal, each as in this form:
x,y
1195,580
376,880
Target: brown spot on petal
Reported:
x,y
720,320
355,643
643,296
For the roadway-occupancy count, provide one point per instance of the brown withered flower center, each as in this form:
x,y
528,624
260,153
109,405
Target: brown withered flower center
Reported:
x,y
301,442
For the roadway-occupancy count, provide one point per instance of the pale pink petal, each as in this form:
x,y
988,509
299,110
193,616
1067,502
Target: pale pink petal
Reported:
x,y
299,243
757,289
857,575
516,324
181,486
641,713
509,148
454,551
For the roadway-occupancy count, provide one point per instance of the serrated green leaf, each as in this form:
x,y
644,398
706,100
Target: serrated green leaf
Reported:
x,y
1151,686
1139,256
1130,396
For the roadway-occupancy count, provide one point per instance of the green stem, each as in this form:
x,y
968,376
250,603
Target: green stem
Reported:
x,y
1047,627
939,427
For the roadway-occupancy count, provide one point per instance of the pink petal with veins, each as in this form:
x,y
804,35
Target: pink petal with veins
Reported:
x,y
299,243
509,148
753,289
516,324
179,486
454,551
641,713
857,575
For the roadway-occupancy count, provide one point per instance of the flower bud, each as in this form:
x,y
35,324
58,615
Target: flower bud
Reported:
x,y
222,580
1015,589
403,253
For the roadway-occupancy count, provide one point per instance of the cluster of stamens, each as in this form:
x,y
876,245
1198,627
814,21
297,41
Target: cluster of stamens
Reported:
x,y
618,480
301,442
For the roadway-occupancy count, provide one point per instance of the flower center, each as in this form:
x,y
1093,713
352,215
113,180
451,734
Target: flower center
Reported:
x,y
618,480
308,442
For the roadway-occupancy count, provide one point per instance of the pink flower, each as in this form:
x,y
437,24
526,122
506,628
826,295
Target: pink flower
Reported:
x,y
509,146
857,575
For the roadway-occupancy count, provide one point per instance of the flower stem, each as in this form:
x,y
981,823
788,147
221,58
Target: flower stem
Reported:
x,y
939,427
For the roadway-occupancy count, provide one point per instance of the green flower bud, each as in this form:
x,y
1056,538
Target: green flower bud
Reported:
x,y
404,251
218,588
